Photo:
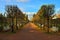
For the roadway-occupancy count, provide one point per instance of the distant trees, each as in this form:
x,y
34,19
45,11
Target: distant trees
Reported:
x,y
2,21
56,21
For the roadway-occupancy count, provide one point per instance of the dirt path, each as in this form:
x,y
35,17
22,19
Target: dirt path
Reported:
x,y
29,32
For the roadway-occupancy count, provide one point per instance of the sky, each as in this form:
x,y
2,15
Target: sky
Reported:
x,y
28,5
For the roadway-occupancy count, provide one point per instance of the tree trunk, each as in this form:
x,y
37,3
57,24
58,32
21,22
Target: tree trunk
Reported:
x,y
16,24
12,26
48,24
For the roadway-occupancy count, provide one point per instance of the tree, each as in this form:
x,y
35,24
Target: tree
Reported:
x,y
11,12
48,10
14,13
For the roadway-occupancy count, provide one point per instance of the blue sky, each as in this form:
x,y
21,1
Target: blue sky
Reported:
x,y
28,5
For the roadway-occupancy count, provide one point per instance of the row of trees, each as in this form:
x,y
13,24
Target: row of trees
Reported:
x,y
44,15
14,17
